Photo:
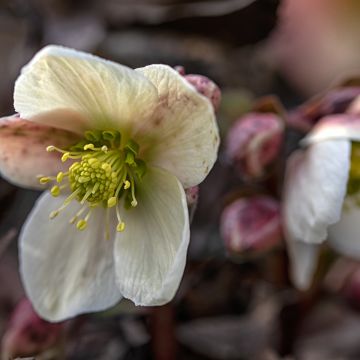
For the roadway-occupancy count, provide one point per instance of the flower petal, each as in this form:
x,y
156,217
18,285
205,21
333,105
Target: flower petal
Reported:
x,y
23,154
344,126
303,262
94,93
150,254
315,187
344,235
184,127
65,271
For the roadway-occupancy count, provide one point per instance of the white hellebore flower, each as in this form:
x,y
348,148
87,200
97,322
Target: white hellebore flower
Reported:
x,y
115,223
322,195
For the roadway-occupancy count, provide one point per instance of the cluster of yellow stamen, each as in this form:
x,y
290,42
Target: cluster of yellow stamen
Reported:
x,y
103,172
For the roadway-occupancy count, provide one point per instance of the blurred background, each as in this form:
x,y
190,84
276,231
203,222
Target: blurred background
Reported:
x,y
233,303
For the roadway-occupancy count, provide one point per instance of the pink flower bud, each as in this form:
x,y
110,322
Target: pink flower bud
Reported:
x,y
251,224
316,41
180,69
351,289
206,87
192,197
333,102
27,334
253,143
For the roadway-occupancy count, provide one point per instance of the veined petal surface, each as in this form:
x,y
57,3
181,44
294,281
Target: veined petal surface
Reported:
x,y
150,254
23,154
65,271
76,91
315,187
183,128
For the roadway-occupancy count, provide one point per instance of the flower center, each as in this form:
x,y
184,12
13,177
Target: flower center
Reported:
x,y
353,186
103,171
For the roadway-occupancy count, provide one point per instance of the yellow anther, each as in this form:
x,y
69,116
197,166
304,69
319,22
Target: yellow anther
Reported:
x,y
94,163
120,227
106,167
55,191
134,203
50,148
44,180
83,179
112,202
104,148
65,157
126,184
53,214
89,147
60,177
81,224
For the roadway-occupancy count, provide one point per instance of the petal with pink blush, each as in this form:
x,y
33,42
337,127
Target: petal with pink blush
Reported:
x,y
23,154
344,126
315,188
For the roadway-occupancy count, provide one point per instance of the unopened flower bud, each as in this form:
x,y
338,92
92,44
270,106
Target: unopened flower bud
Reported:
x,y
253,143
351,289
180,69
335,101
251,225
27,334
192,197
343,279
206,87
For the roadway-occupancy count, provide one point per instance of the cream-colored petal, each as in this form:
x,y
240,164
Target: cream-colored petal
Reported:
x,y
304,258
23,154
65,271
344,236
93,92
315,187
343,126
150,254
183,128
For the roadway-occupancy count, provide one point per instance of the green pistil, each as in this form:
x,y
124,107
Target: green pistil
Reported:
x,y
104,172
353,186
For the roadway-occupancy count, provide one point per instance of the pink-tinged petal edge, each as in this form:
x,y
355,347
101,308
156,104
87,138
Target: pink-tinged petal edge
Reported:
x,y
342,126
23,155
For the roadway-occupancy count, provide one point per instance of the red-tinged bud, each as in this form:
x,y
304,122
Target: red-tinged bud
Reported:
x,y
192,197
336,101
351,289
253,143
251,225
27,334
180,69
343,279
206,87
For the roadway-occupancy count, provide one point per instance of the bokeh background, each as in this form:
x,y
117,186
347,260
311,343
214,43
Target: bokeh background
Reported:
x,y
238,306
